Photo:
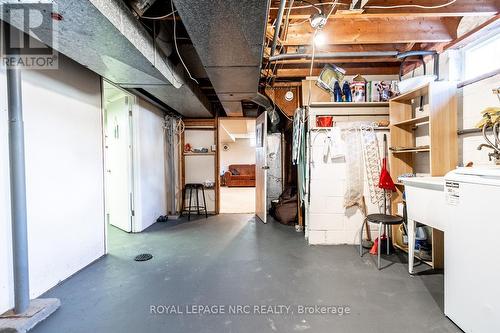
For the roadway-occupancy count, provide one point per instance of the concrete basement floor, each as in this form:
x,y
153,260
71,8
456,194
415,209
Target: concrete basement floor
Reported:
x,y
231,260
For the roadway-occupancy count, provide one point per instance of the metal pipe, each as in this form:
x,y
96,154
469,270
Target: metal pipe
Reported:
x,y
470,131
332,55
415,53
277,26
18,188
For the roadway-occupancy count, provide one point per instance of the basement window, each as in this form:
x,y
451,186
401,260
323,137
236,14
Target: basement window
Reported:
x,y
481,58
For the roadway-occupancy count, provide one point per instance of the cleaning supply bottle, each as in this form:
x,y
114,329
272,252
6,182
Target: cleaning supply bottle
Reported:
x,y
337,92
346,89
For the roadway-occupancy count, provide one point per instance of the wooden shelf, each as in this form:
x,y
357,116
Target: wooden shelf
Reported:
x,y
349,104
405,249
327,128
416,150
199,154
413,121
412,94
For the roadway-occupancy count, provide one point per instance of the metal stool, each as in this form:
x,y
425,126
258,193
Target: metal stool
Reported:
x,y
196,208
383,220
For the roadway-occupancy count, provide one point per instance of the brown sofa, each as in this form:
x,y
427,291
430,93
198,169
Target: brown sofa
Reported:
x,y
240,175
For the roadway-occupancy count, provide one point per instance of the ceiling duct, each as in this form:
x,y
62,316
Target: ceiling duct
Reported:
x,y
104,36
228,36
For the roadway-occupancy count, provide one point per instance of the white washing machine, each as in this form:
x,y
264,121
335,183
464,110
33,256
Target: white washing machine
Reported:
x,y
472,249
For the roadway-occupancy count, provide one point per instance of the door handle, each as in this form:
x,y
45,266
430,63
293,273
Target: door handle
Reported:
x,y
265,167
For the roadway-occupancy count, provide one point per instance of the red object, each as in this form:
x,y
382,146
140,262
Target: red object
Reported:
x,y
374,249
324,121
386,182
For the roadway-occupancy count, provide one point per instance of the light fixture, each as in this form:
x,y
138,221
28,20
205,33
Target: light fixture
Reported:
x,y
318,20
319,39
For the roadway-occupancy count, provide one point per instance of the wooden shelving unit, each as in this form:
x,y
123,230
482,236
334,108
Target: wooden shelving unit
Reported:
x,y
416,150
413,121
349,104
443,147
199,154
201,133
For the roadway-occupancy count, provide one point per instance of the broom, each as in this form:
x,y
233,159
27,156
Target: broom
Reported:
x,y
386,183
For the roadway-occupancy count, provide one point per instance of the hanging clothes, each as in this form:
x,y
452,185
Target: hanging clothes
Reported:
x,y
297,136
301,163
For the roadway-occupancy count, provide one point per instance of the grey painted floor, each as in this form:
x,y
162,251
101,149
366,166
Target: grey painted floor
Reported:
x,y
231,260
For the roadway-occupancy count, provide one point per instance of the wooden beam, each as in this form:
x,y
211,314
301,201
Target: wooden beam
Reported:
x,y
459,8
340,60
401,47
375,31
304,72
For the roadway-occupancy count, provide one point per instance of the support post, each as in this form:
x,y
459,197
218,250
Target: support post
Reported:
x,y
18,189
173,123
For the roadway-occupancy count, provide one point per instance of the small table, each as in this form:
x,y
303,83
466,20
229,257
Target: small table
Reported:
x,y
425,202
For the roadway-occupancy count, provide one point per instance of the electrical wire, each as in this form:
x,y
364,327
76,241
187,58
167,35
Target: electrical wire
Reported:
x,y
177,49
160,17
412,6
372,7
316,5
310,74
331,10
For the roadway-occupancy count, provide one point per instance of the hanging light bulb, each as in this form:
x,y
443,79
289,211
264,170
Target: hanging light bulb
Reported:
x,y
320,39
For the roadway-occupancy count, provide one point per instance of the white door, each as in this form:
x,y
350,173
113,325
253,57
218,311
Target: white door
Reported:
x,y
261,168
118,163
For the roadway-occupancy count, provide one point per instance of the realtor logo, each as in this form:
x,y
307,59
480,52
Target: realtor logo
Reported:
x,y
27,30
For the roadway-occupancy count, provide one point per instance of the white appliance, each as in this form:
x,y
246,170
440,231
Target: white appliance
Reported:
x,y
472,239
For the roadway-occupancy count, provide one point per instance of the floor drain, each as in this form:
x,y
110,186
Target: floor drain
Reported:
x,y
143,257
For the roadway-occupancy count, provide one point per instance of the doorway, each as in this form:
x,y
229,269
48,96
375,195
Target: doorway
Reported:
x,y
118,157
237,165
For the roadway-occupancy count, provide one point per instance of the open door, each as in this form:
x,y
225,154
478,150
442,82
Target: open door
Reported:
x,y
118,158
261,167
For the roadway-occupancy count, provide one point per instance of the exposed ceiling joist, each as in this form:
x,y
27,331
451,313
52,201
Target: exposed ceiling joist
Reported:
x,y
402,47
340,60
377,31
459,8
303,72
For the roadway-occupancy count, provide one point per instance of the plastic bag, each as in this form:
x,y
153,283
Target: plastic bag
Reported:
x,y
354,170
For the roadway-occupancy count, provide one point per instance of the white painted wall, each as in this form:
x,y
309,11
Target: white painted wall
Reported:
x,y
240,152
473,99
150,191
64,169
